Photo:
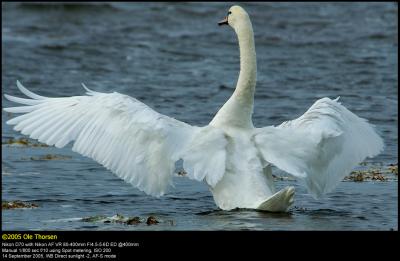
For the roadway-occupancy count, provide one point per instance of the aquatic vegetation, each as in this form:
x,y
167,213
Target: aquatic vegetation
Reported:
x,y
118,218
94,219
23,142
152,221
133,221
393,169
280,177
374,173
17,204
50,157
364,175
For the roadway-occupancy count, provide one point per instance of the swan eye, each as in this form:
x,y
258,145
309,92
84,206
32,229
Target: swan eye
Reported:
x,y
229,12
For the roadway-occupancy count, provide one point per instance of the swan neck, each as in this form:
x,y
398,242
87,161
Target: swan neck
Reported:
x,y
238,110
248,65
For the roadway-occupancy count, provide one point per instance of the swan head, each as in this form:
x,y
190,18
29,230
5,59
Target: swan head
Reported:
x,y
236,16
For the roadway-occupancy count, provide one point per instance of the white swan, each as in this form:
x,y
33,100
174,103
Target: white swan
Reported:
x,y
233,157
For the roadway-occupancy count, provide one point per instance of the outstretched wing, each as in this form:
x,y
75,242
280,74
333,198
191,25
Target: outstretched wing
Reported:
x,y
321,146
135,142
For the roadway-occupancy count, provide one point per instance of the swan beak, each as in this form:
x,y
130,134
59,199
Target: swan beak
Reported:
x,y
224,21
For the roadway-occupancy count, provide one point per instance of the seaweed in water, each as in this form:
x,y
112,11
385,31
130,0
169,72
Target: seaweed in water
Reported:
x,y
151,220
363,175
23,142
17,204
51,157
133,221
393,169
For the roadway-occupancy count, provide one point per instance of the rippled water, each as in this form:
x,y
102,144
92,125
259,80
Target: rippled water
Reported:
x,y
176,59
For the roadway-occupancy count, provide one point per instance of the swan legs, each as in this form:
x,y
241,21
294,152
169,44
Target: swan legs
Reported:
x,y
279,202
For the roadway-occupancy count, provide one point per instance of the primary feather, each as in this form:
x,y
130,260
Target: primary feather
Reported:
x,y
321,146
126,136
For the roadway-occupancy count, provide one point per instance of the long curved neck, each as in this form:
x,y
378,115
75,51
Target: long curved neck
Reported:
x,y
238,110
246,83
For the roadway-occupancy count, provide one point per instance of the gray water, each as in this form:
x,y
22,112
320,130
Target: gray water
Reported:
x,y
176,59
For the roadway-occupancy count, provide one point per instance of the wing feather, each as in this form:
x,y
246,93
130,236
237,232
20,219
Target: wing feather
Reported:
x,y
135,142
320,147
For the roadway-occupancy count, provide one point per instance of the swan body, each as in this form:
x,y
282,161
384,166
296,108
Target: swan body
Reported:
x,y
230,155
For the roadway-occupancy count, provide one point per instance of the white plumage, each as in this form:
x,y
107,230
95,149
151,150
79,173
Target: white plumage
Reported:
x,y
142,146
138,144
320,147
